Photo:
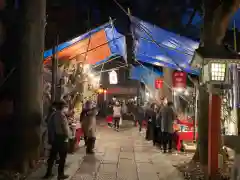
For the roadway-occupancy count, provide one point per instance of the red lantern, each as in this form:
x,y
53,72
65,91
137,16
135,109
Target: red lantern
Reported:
x,y
179,79
158,83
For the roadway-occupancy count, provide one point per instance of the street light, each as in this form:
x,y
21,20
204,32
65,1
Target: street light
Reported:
x,y
215,76
215,69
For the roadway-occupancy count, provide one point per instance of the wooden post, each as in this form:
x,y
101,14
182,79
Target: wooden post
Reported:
x,y
213,134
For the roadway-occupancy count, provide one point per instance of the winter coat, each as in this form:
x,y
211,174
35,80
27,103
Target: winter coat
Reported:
x,y
117,111
58,126
140,114
150,115
89,122
159,118
168,117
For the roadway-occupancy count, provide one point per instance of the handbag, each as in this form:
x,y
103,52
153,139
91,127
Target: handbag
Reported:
x,y
120,121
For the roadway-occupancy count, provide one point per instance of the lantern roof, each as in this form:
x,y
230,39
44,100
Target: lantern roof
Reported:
x,y
218,54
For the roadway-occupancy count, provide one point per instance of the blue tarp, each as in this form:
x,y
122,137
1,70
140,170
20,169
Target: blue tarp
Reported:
x,y
116,41
174,50
145,74
171,50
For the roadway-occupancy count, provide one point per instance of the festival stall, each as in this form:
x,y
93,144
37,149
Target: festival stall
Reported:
x,y
75,82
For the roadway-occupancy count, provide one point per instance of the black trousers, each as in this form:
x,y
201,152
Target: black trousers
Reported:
x,y
149,132
157,136
116,122
167,141
140,122
59,147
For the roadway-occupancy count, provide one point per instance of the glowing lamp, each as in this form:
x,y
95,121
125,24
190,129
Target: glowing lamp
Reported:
x,y
214,69
100,91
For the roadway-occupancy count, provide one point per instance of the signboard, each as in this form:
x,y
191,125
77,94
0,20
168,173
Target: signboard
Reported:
x,y
179,79
122,90
113,78
158,83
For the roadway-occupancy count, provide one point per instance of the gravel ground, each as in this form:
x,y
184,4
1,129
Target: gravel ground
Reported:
x,y
193,170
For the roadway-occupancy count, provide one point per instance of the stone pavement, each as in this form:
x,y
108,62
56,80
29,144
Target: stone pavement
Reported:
x,y
125,155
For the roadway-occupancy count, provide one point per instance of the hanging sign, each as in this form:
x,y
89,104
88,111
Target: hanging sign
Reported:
x,y
113,79
179,79
158,83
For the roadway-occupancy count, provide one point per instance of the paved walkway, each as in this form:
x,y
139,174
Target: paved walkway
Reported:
x,y
125,155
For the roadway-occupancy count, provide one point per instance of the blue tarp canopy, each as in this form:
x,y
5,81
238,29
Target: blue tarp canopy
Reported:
x,y
157,46
169,49
95,46
145,74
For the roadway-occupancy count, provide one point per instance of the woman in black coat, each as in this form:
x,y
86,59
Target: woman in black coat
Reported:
x,y
151,118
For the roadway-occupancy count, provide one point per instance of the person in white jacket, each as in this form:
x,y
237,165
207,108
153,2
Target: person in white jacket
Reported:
x,y
117,113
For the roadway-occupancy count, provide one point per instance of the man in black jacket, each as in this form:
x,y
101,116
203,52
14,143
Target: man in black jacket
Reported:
x,y
58,130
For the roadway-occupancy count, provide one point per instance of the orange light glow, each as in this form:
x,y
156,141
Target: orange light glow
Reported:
x,y
100,91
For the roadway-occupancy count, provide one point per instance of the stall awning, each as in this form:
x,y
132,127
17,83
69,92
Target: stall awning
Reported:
x,y
145,74
157,46
92,47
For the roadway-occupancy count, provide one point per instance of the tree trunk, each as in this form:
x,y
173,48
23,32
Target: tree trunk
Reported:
x,y
238,114
216,20
29,102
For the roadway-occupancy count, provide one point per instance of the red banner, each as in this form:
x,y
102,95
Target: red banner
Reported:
x,y
158,83
179,79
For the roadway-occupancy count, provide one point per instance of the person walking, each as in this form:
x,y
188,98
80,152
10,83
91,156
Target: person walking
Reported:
x,y
58,130
168,117
140,117
89,126
117,113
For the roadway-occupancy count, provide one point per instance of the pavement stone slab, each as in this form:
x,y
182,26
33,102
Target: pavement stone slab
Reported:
x,y
127,164
145,168
127,148
148,176
142,157
107,176
126,175
107,168
126,155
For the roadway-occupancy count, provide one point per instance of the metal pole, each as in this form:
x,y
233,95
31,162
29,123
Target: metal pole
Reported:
x,y
54,71
54,75
235,85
